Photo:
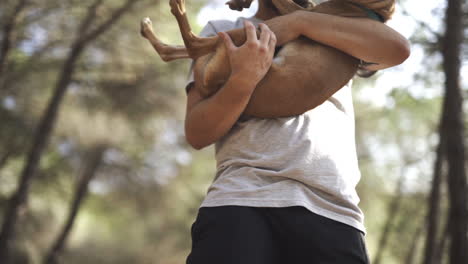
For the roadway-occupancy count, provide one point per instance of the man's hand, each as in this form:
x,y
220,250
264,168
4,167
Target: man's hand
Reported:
x,y
208,119
251,61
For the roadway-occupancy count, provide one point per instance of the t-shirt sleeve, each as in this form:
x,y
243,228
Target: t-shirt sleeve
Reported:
x,y
207,31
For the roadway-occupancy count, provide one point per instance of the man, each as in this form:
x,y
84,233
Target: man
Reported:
x,y
284,190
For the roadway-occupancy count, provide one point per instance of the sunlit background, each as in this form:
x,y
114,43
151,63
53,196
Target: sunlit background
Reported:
x,y
114,163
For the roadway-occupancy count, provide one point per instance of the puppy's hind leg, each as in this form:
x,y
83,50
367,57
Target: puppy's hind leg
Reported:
x,y
166,52
196,46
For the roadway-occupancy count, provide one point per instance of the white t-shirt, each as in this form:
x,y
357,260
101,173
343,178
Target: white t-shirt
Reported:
x,y
307,160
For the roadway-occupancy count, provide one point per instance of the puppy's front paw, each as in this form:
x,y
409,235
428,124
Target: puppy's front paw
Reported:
x,y
177,7
146,27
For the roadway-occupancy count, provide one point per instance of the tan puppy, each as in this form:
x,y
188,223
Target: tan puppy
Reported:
x,y
304,73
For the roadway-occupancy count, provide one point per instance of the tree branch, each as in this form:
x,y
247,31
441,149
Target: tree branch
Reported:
x,y
8,31
89,19
109,22
30,64
91,167
422,24
47,123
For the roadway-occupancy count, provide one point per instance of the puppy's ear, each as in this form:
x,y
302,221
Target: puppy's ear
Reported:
x,y
239,4
304,3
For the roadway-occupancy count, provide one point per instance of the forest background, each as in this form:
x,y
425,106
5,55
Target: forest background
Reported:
x,y
94,166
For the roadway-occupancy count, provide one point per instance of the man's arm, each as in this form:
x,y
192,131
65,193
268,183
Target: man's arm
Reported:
x,y
208,119
363,38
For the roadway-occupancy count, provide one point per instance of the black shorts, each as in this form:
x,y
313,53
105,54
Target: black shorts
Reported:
x,y
258,235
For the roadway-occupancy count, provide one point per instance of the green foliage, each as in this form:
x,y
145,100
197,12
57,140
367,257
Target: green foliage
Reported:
x,y
121,95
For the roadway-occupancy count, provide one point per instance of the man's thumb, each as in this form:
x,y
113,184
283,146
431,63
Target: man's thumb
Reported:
x,y
227,40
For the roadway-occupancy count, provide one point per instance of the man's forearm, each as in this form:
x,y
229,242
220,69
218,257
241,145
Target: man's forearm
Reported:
x,y
211,118
362,38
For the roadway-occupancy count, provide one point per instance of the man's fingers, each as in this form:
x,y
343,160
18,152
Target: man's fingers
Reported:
x,y
250,31
272,42
264,35
227,41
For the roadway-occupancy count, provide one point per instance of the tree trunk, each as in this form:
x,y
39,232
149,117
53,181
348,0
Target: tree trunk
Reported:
x,y
440,250
4,158
453,127
414,244
41,139
393,209
93,162
47,122
434,204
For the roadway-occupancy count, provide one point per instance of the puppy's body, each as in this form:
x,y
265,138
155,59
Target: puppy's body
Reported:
x,y
302,72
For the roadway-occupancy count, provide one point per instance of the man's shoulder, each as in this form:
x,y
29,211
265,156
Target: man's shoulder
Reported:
x,y
219,25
